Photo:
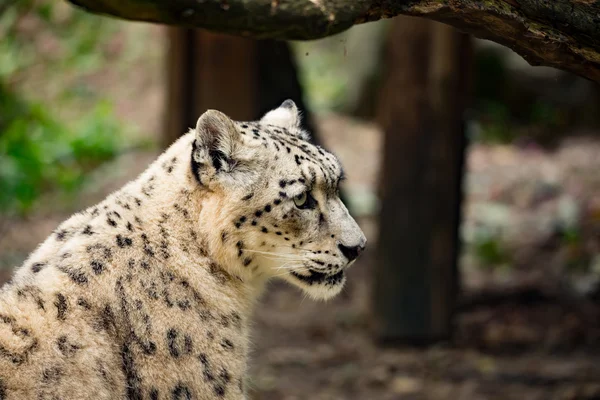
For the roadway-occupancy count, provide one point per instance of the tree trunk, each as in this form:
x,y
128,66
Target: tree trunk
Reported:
x,y
208,70
558,33
244,78
421,111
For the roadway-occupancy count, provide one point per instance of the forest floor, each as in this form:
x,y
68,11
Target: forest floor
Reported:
x,y
524,329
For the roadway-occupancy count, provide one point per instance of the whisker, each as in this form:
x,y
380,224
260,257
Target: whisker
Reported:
x,y
279,255
294,248
292,267
284,273
282,258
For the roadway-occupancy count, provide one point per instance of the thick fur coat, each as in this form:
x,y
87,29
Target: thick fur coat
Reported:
x,y
148,295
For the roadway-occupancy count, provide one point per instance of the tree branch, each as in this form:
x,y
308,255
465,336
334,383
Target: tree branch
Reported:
x,y
559,33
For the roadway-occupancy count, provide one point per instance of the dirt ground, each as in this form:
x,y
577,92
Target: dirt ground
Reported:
x,y
307,350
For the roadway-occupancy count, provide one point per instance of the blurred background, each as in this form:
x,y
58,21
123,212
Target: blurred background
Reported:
x,y
475,177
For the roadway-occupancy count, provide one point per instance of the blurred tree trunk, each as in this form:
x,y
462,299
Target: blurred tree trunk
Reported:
x,y
208,70
421,110
244,78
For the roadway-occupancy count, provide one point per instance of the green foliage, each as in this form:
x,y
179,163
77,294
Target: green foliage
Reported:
x,y
490,252
507,109
38,154
54,35
323,77
51,132
495,120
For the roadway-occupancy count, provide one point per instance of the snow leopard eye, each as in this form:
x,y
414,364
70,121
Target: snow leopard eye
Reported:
x,y
301,199
304,200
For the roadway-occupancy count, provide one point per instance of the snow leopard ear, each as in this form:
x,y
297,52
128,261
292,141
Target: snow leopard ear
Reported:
x,y
216,141
286,116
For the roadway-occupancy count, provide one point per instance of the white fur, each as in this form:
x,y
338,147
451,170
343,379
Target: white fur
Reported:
x,y
151,290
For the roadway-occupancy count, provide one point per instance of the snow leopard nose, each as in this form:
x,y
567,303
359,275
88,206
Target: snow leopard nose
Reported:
x,y
351,253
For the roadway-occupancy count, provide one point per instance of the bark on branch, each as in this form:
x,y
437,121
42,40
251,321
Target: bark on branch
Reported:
x,y
559,33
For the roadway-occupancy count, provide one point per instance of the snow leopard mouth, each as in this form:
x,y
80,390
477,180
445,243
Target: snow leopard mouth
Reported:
x,y
317,277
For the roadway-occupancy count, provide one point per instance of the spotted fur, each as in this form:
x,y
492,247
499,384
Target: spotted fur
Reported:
x,y
148,294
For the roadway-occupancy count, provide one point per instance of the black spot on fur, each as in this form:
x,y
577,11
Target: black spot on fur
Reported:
x,y
181,392
50,375
164,246
153,394
248,196
61,306
258,213
264,230
147,248
268,208
227,344
133,380
107,319
66,348
220,390
282,183
247,261
224,375
148,187
219,273
171,342
111,222
37,267
75,275
219,381
2,390
97,266
184,304
83,303
188,346
88,230
61,235
124,241
129,227
277,202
